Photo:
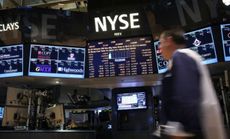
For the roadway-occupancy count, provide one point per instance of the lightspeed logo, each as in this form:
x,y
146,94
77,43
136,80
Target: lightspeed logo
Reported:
x,y
69,70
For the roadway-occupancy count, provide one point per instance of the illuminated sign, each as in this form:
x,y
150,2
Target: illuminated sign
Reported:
x,y
71,56
225,35
44,54
11,61
10,70
56,61
121,22
9,26
69,70
43,68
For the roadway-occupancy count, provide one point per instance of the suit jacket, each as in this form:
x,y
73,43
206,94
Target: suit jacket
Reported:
x,y
188,96
180,94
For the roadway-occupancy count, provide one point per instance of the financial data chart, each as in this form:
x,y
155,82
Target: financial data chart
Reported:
x,y
120,57
56,61
11,61
202,42
225,34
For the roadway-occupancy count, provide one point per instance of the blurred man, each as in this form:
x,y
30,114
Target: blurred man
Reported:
x,y
187,93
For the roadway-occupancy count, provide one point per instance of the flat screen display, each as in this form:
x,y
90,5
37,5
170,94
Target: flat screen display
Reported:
x,y
79,117
1,112
129,101
57,61
11,61
225,34
120,57
202,42
161,63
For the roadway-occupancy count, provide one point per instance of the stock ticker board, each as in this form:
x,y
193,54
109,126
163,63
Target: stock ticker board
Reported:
x,y
11,61
57,61
120,57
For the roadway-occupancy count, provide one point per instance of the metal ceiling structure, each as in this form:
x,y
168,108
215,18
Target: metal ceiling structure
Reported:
x,y
73,5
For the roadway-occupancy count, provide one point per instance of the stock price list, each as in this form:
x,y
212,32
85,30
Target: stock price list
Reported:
x,y
120,57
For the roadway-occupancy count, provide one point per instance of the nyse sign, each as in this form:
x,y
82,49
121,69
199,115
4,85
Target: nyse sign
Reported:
x,y
118,22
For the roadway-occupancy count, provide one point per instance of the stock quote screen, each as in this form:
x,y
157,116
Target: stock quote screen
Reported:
x,y
202,42
57,61
11,61
120,57
225,34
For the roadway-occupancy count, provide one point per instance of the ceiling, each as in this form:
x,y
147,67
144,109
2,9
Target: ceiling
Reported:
x,y
73,5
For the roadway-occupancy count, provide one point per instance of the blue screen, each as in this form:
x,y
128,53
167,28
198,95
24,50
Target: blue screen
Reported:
x,y
129,101
57,61
202,42
161,63
1,112
225,34
11,61
120,57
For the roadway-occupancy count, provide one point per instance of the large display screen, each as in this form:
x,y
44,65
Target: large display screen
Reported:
x,y
11,61
57,61
120,57
129,101
161,63
202,42
1,112
225,33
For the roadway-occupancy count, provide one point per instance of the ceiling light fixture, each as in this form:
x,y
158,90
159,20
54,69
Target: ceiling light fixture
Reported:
x,y
226,2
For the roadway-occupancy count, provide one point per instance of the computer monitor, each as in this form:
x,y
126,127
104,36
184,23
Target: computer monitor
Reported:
x,y
1,112
161,63
201,41
57,61
131,101
225,35
79,118
11,61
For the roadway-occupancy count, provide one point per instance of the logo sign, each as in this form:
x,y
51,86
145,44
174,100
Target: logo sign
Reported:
x,y
71,56
9,26
113,23
10,70
69,70
43,68
128,21
44,54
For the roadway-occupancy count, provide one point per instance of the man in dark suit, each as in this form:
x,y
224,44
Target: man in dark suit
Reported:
x,y
180,94
184,89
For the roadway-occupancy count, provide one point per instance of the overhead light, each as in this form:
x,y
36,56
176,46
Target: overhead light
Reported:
x,y
226,2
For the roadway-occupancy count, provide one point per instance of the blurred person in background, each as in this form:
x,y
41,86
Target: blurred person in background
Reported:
x,y
188,97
